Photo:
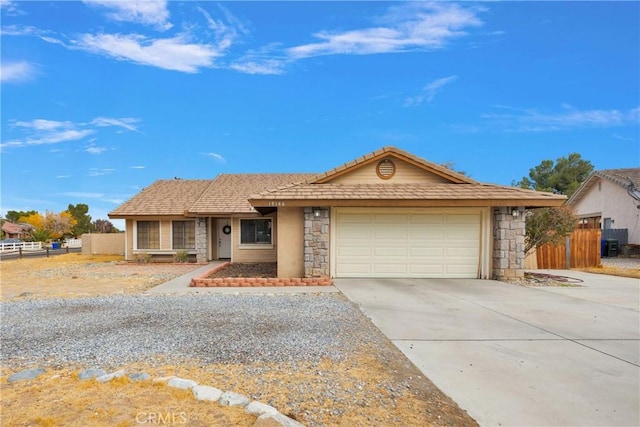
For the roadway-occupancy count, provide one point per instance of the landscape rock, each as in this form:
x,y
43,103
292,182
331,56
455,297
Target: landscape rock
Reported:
x,y
258,408
204,392
87,374
109,377
230,398
139,376
28,374
276,420
181,383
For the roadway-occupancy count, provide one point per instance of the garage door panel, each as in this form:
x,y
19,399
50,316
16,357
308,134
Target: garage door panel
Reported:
x,y
347,218
390,218
407,244
348,251
426,219
390,269
424,252
390,251
390,233
426,234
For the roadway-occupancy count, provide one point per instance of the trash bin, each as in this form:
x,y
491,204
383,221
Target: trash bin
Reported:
x,y
55,245
612,248
603,248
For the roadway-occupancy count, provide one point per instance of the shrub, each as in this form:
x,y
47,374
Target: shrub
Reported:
x,y
143,258
181,256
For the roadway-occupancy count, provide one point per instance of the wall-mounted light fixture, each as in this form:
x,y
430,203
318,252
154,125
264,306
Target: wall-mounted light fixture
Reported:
x,y
515,213
316,212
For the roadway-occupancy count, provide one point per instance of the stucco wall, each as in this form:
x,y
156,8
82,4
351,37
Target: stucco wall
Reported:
x,y
612,201
291,238
405,173
103,244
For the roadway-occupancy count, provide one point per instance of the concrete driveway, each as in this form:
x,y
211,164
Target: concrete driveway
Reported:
x,y
518,356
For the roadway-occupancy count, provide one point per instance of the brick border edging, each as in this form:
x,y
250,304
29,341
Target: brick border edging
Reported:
x,y
203,281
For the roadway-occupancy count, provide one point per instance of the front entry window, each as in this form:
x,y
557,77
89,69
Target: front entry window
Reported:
x,y
255,231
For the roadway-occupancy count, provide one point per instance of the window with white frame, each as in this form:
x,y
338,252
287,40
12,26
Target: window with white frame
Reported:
x,y
148,234
255,231
184,234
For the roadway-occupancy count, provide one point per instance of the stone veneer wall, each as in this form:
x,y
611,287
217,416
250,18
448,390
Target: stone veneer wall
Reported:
x,y
316,243
508,243
201,239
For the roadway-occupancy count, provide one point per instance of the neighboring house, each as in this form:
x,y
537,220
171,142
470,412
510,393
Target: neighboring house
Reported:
x,y
610,199
16,231
386,214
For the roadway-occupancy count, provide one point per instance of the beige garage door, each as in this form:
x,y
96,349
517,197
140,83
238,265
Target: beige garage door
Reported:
x,y
401,243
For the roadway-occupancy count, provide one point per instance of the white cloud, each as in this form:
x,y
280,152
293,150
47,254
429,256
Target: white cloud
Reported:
x,y
100,171
63,176
216,156
268,66
146,12
128,123
175,53
530,120
137,167
16,72
11,8
225,31
429,92
92,149
43,131
412,26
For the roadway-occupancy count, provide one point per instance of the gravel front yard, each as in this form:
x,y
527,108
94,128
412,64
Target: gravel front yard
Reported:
x,y
313,356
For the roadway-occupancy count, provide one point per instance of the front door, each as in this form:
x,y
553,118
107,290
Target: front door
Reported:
x,y
224,238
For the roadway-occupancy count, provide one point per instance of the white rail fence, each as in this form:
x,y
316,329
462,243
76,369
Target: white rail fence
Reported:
x,y
22,245
73,243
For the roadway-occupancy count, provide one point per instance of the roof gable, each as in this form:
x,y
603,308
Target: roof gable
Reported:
x,y
396,166
625,178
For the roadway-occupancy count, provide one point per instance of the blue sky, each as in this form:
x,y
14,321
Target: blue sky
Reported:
x,y
100,99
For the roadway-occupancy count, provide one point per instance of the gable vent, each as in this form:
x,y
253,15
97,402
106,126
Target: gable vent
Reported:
x,y
385,169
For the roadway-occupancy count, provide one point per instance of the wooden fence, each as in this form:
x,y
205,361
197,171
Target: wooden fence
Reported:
x,y
581,249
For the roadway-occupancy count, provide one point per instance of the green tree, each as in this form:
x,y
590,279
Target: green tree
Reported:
x,y
548,225
562,177
14,216
83,221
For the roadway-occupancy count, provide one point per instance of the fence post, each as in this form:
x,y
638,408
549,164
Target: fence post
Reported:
x,y
567,248
47,252
67,249
20,253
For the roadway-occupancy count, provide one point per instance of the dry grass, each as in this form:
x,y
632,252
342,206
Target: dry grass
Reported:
x,y
58,398
75,275
613,271
365,392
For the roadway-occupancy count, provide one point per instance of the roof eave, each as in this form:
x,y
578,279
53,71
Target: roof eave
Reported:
x,y
528,203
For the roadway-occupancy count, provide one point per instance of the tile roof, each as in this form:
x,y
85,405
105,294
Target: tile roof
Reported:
x,y
624,177
403,192
621,176
239,193
228,193
163,197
